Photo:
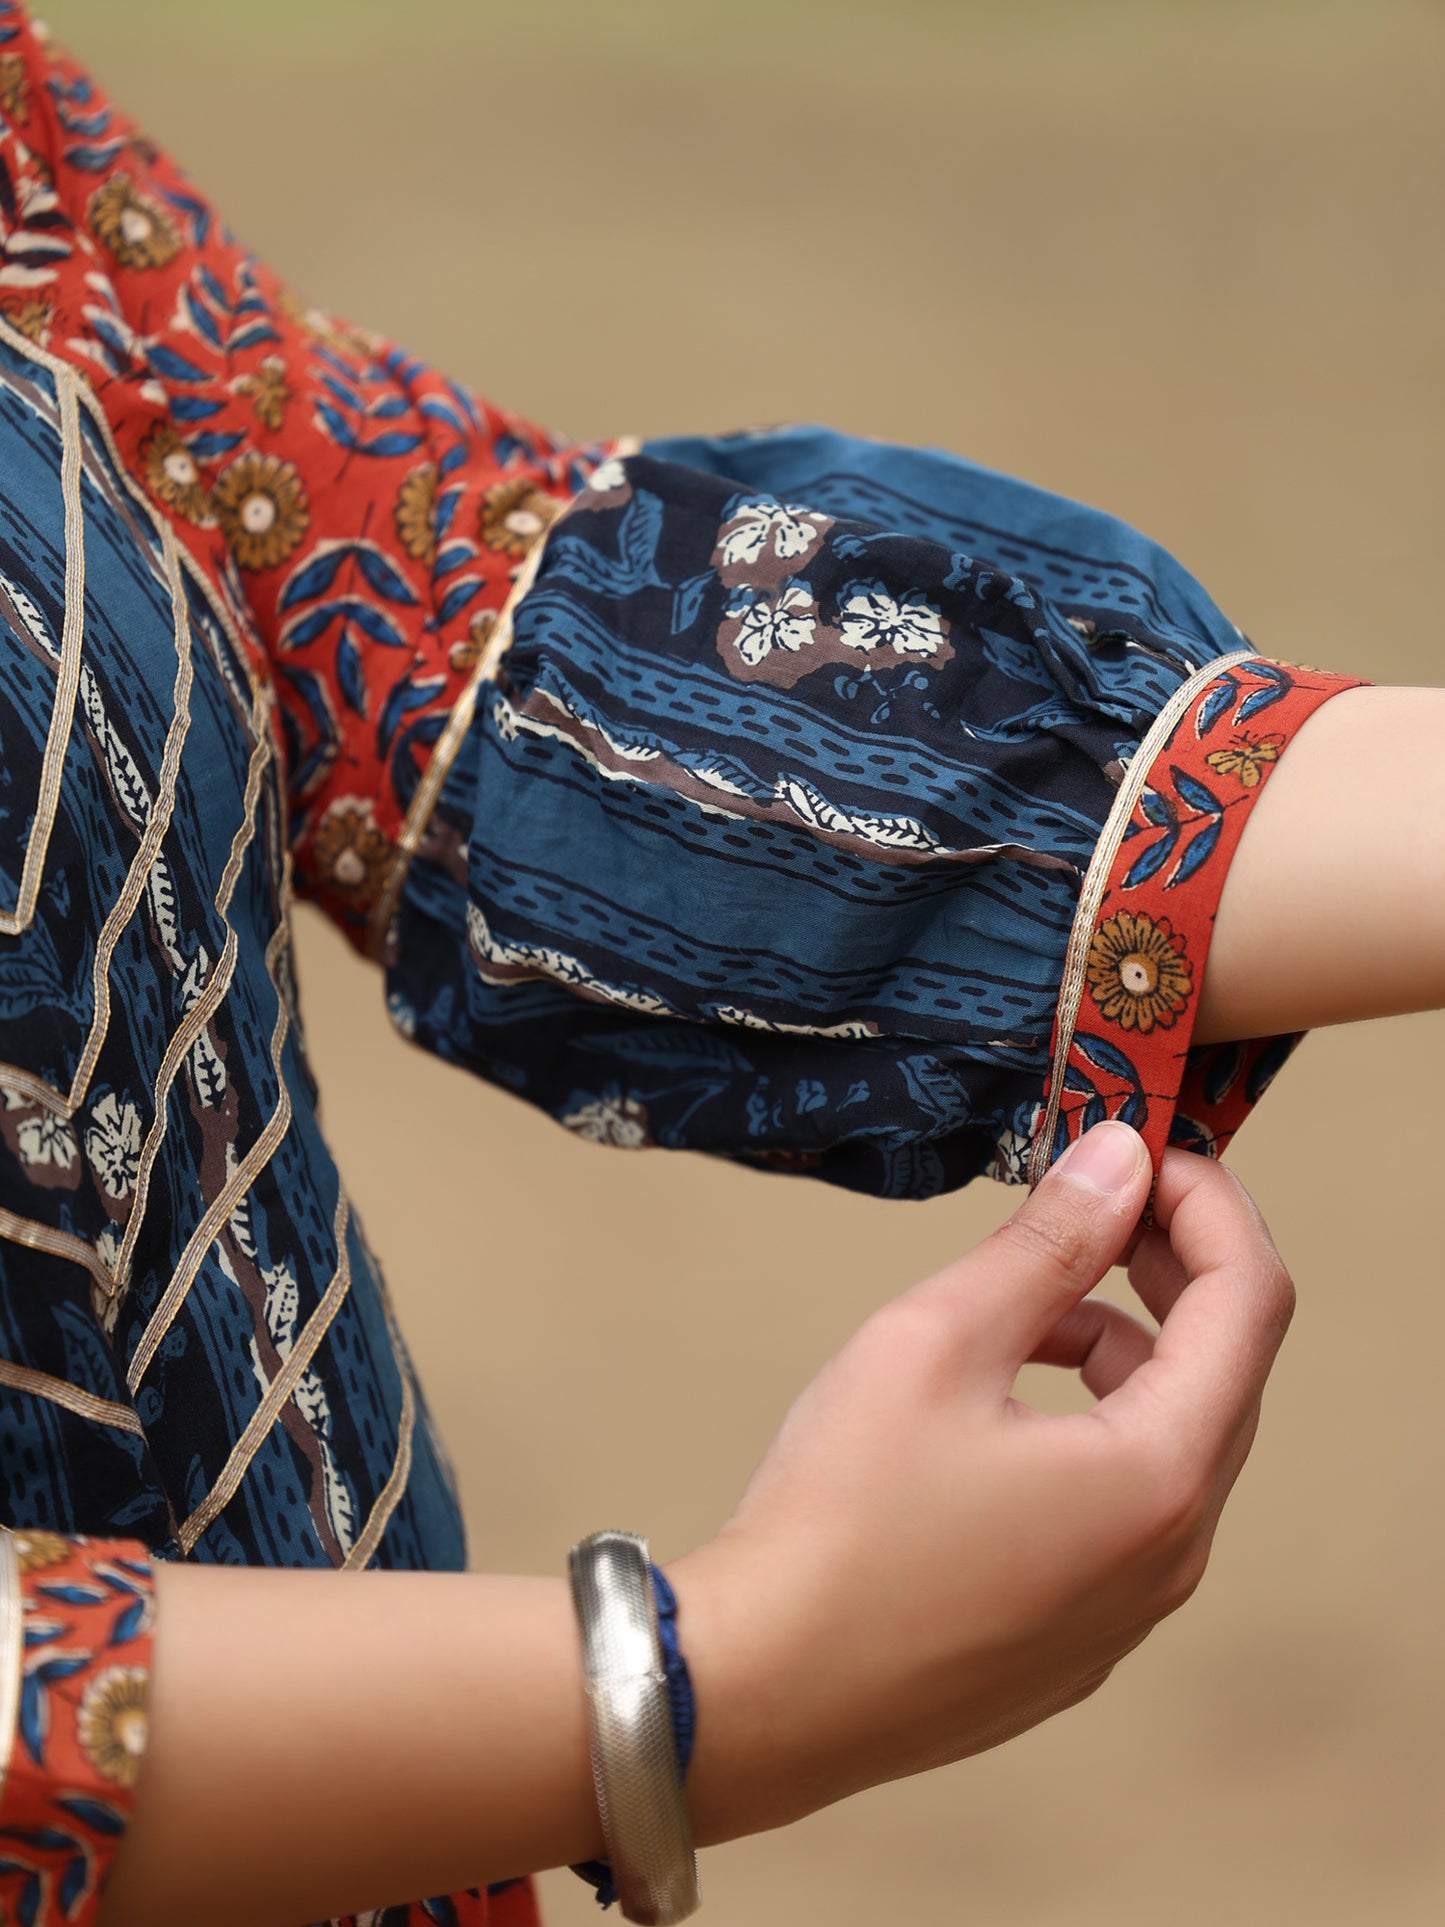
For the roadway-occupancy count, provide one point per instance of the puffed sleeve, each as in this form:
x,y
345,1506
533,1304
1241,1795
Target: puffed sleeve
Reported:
x,y
847,809
75,1652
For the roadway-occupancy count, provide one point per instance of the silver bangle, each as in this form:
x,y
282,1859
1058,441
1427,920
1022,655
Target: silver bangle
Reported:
x,y
634,1755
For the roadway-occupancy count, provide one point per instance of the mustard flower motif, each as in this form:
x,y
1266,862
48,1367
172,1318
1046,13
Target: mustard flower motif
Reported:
x,y
1137,973
136,229
260,503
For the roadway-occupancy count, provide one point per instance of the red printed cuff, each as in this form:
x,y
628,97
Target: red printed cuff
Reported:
x,y
75,1622
1140,939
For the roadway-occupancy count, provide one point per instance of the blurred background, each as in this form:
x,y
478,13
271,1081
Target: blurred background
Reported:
x,y
1181,259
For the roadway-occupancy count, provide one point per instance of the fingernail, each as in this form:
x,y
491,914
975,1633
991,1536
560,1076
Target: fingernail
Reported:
x,y
1105,1158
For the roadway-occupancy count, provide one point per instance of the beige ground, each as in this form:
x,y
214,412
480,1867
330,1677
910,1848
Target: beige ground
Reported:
x,y
1184,260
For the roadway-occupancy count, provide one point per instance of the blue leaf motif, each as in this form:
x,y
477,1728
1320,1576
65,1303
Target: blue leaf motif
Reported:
x,y
1223,1072
31,977
172,366
350,676
128,1622
28,1905
400,702
1261,699
313,577
344,393
90,126
1135,1110
199,213
687,600
435,409
194,408
211,443
1197,855
94,158
202,320
354,609
1095,1112
312,691
34,1717
335,424
1215,705
73,1883
394,442
1075,1080
1105,1056
451,557
457,597
71,1595
250,334
1153,858
1196,794
1156,809
384,576
387,408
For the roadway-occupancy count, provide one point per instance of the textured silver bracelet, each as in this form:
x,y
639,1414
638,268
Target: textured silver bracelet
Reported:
x,y
634,1755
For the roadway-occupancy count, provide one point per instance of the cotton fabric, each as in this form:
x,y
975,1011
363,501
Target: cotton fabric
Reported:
x,y
770,801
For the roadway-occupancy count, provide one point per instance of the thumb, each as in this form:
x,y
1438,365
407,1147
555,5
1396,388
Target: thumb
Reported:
x,y
1008,1293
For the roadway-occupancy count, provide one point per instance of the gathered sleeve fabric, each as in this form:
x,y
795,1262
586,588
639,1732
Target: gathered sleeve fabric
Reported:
x,y
75,1661
846,809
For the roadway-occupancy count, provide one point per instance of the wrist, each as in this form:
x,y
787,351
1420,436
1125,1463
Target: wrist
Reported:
x,y
745,1636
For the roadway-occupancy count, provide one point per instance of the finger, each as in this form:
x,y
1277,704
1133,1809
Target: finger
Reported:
x,y
1219,1338
1099,1341
1156,1274
996,1303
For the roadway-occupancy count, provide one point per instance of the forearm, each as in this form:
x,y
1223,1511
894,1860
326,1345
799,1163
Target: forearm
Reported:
x,y
384,1735
392,1734
1334,906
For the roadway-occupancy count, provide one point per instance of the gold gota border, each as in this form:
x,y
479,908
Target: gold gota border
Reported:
x,y
12,1649
74,1398
1096,881
56,1244
389,1497
459,721
218,986
448,743
231,1193
64,1244
121,911
63,371
72,636
277,1393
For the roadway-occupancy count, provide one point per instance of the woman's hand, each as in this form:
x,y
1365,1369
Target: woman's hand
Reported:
x,y
920,1568
923,1566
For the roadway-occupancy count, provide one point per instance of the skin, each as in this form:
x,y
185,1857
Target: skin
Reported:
x,y
1334,905
968,1566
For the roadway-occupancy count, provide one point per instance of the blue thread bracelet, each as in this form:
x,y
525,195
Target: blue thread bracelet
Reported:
x,y
681,1705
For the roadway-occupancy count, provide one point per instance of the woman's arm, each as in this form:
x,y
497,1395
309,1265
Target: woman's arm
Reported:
x,y
1334,906
328,1742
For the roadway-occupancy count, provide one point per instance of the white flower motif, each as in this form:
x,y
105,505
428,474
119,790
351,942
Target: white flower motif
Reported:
x,y
106,1304
755,527
46,1139
112,1144
611,1119
764,625
873,619
608,475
